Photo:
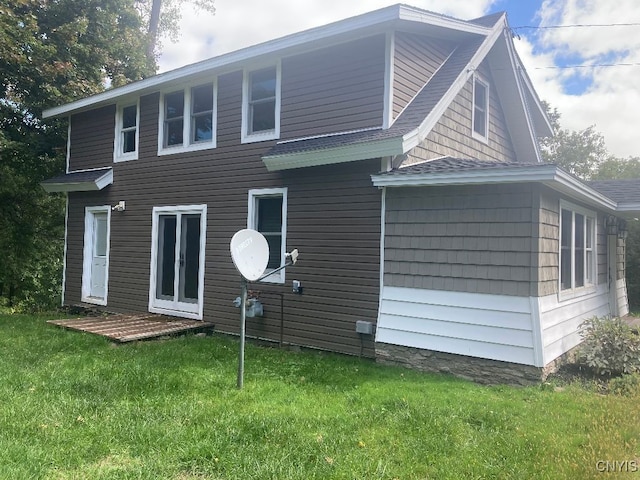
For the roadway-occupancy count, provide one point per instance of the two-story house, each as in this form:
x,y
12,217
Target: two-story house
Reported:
x,y
397,150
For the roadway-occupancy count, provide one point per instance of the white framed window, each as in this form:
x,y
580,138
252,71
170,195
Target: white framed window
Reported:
x,y
261,104
578,259
480,114
187,119
268,215
127,133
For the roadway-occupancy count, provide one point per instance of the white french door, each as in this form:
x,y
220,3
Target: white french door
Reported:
x,y
177,260
95,270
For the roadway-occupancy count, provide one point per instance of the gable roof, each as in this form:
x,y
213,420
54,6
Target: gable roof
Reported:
x,y
479,39
526,118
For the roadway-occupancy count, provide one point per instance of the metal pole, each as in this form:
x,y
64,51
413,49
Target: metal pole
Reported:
x,y
243,318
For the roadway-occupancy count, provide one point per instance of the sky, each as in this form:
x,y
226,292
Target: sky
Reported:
x,y
589,73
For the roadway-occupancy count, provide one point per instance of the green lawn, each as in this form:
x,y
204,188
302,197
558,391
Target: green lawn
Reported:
x,y
73,406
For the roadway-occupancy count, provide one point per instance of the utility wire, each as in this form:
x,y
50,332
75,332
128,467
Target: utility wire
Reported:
x,y
577,25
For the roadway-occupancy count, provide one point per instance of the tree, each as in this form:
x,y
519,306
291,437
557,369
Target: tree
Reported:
x,y
51,53
164,17
578,152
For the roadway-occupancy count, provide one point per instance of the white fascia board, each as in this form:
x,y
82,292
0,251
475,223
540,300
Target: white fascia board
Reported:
x,y
467,177
329,156
296,40
416,136
550,175
629,208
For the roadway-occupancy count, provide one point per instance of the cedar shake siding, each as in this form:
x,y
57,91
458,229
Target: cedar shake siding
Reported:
x,y
92,136
333,213
416,58
334,89
452,137
465,239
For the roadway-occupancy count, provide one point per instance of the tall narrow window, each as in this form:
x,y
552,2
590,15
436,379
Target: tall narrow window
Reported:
x,y
126,139
577,248
480,108
261,104
173,119
268,215
202,113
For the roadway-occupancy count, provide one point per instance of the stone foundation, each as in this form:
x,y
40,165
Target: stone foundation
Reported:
x,y
480,370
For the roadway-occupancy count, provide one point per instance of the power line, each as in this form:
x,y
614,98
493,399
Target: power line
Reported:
x,y
597,65
577,25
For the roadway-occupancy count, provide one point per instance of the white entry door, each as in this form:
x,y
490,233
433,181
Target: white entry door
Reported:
x,y
177,263
96,255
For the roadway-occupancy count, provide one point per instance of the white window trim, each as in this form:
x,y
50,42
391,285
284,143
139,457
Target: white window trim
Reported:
x,y
183,209
474,134
187,146
278,277
274,134
118,155
588,288
87,255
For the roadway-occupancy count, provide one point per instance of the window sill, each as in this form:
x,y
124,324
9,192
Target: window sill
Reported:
x,y
195,147
260,137
481,138
125,158
570,294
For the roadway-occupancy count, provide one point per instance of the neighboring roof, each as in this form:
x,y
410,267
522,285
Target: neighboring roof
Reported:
x,y
80,181
625,192
466,171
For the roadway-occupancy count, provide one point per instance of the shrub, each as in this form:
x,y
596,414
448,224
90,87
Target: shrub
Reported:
x,y
626,385
609,347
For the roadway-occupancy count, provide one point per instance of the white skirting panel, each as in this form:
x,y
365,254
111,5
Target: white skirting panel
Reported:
x,y
497,327
560,320
623,300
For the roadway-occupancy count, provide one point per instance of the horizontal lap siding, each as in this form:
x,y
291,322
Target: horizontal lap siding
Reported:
x,y
479,325
333,219
92,137
416,58
452,136
464,239
334,89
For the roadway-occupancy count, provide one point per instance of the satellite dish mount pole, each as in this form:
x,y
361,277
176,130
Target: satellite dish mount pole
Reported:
x,y
243,321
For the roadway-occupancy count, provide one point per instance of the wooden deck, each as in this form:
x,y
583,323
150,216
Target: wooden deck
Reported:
x,y
129,328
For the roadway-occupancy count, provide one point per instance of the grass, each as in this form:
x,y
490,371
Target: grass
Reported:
x,y
73,406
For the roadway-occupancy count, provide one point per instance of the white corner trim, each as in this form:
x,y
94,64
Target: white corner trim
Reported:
x,y
64,253
68,155
383,212
389,75
536,329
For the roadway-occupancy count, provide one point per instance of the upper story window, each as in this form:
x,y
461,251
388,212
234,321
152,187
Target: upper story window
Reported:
x,y
480,109
261,104
577,248
268,215
187,119
127,136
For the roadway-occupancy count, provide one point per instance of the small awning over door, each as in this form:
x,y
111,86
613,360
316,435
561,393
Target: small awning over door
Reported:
x,y
80,181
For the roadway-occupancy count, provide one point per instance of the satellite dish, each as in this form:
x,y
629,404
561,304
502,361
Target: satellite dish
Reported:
x,y
250,253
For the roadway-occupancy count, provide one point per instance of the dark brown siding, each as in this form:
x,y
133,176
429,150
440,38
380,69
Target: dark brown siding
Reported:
x,y
452,136
333,219
416,58
92,136
334,89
